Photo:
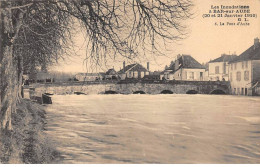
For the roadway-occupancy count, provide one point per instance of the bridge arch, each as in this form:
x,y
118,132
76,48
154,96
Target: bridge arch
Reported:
x,y
110,92
139,92
218,92
166,92
192,92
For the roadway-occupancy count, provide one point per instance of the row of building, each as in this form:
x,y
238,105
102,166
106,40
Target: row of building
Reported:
x,y
132,71
243,71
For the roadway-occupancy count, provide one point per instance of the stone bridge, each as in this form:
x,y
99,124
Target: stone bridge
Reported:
x,y
134,87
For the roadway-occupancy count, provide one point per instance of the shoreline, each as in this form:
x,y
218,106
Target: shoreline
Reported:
x,y
27,142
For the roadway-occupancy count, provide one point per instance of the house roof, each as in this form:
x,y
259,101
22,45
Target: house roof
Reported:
x,y
111,72
224,58
172,67
252,53
186,61
133,67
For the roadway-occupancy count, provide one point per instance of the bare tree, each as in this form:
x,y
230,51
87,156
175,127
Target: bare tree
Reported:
x,y
35,33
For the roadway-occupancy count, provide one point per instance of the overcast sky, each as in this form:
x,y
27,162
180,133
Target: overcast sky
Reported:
x,y
206,41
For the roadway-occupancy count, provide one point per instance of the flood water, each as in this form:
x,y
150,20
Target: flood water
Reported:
x,y
155,128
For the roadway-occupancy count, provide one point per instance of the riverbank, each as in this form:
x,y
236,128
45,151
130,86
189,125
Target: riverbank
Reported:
x,y
27,142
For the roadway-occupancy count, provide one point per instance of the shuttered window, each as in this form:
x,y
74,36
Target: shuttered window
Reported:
x,y
246,75
238,76
217,70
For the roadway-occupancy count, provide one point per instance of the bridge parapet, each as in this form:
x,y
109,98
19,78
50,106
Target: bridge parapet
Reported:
x,y
137,86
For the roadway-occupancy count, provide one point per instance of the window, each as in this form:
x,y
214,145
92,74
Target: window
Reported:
x,y
230,76
201,76
242,91
238,76
192,75
224,69
246,75
246,64
130,74
235,66
231,66
242,65
217,70
234,91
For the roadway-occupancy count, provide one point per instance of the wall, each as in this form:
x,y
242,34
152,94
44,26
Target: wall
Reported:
x,y
178,87
257,91
256,70
166,75
206,76
122,76
256,76
185,74
222,73
236,85
134,74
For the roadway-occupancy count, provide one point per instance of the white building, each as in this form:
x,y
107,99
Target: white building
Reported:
x,y
133,71
188,69
111,74
218,68
244,71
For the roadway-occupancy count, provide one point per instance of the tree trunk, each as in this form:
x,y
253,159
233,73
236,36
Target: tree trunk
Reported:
x,y
20,76
7,87
8,103
11,65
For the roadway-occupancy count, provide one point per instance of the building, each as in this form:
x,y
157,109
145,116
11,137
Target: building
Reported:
x,y
185,68
244,71
133,71
168,73
111,74
152,76
218,68
88,76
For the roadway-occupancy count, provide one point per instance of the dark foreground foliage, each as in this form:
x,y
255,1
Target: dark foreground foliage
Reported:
x,y
27,142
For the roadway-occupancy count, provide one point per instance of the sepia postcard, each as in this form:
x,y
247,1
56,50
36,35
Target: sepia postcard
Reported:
x,y
130,82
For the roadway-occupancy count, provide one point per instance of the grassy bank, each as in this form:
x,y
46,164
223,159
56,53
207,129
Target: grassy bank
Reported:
x,y
27,142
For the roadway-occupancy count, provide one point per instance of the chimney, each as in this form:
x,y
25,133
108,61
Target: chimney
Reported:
x,y
124,66
256,43
148,66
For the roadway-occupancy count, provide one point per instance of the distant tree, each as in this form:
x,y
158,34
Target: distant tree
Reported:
x,y
170,66
36,33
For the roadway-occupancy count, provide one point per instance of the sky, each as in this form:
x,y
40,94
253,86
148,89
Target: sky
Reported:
x,y
205,41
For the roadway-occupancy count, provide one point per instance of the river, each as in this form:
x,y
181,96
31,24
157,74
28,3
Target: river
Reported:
x,y
155,128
